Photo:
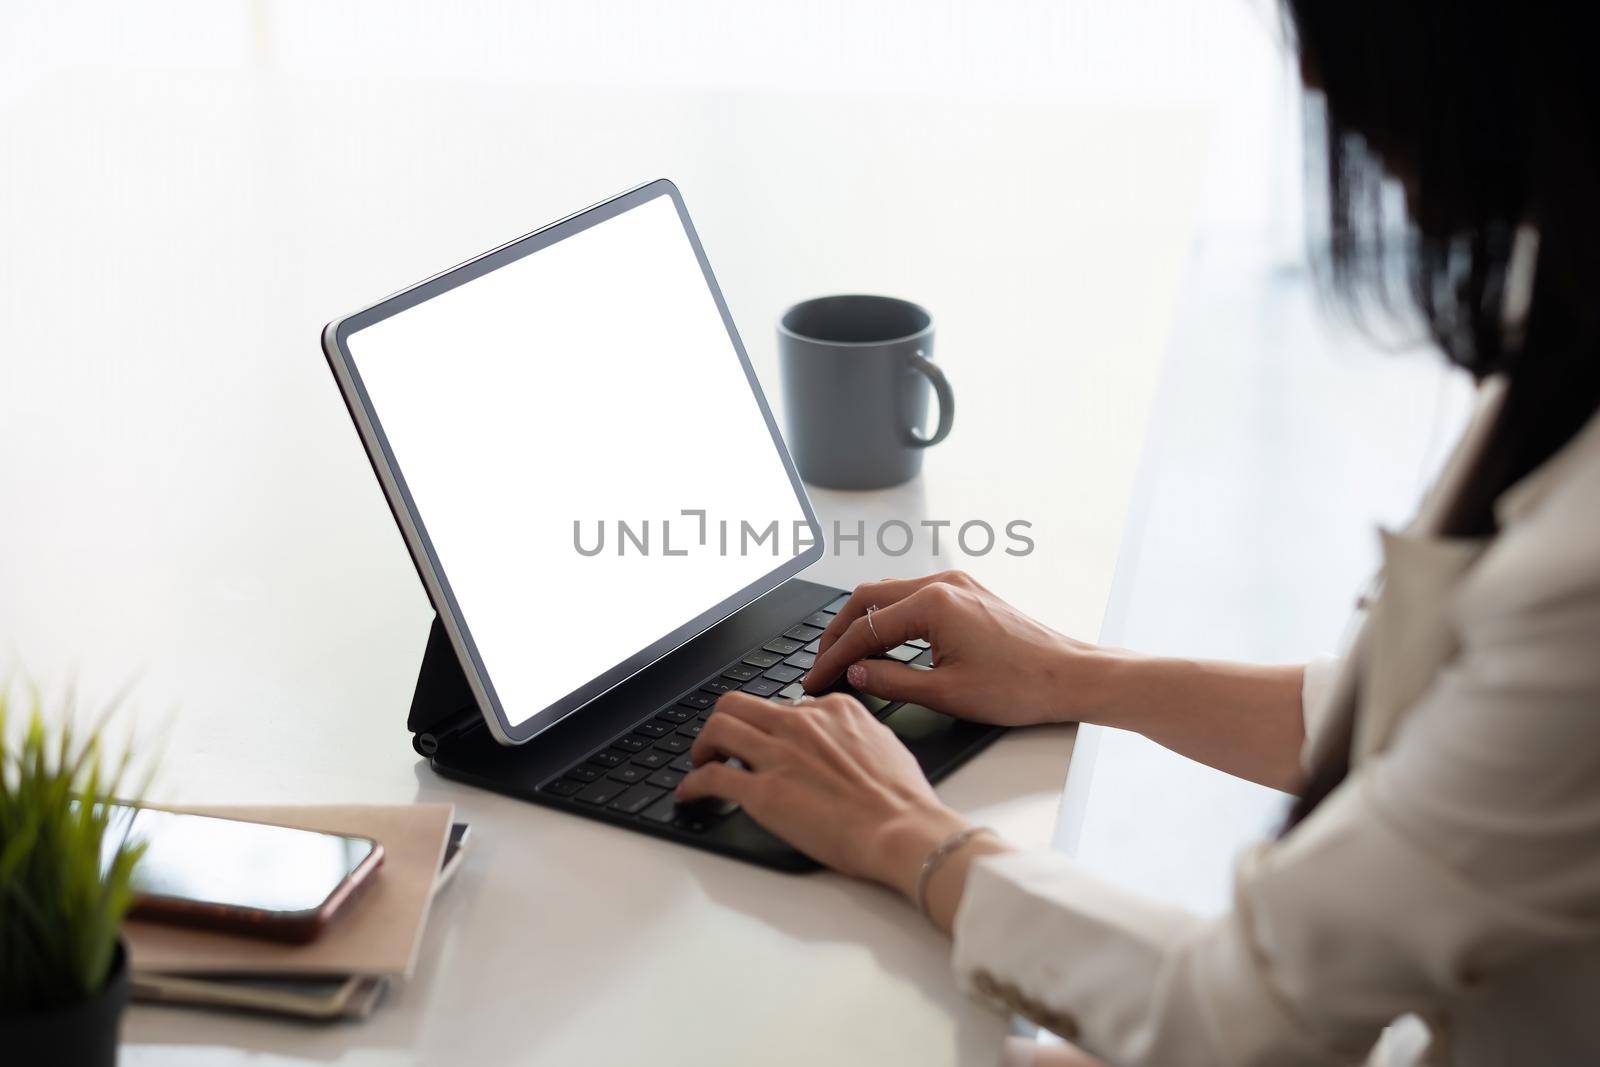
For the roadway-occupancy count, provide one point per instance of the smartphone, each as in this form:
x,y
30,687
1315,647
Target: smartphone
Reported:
x,y
246,878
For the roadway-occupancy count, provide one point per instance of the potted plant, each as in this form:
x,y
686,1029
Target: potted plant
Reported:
x,y
64,887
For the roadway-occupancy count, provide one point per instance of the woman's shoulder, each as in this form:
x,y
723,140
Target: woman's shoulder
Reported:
x,y
1541,573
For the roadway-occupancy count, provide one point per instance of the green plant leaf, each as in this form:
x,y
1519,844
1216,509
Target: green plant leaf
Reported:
x,y
64,887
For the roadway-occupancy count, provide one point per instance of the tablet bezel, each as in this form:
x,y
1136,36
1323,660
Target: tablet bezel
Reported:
x,y
335,337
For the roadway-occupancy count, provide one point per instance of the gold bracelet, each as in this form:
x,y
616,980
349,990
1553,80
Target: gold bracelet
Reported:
x,y
936,857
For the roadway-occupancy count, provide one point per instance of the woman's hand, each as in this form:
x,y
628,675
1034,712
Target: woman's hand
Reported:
x,y
994,664
828,778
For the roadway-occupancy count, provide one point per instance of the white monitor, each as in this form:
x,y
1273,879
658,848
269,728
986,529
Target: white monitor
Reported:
x,y
526,406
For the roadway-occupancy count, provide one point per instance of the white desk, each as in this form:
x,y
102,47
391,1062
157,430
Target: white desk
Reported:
x,y
186,501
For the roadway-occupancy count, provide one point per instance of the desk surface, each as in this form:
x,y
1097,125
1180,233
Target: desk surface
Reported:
x,y
187,504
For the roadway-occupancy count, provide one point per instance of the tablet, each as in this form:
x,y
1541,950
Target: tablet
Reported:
x,y
577,452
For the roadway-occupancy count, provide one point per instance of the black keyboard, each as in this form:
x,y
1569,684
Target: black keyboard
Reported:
x,y
634,775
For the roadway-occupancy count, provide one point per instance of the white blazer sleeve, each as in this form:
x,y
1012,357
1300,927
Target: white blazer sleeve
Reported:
x,y
1316,690
1453,856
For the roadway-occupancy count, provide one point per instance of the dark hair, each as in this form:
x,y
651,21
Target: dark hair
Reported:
x,y
1486,113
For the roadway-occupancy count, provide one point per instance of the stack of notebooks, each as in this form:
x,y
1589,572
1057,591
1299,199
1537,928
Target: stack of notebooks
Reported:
x,y
343,973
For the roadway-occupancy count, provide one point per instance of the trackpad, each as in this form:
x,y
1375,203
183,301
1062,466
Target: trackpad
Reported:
x,y
913,723
940,743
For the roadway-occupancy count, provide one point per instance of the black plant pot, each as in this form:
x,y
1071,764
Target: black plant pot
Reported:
x,y
84,1034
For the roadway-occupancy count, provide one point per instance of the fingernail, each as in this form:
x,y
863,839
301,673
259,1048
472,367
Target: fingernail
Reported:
x,y
857,675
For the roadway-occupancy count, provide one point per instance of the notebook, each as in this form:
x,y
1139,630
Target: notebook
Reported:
x,y
376,934
333,997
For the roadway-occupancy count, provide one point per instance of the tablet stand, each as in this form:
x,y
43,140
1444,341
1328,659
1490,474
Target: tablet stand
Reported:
x,y
443,707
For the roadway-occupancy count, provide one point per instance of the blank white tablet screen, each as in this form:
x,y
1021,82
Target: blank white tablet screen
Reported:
x,y
589,382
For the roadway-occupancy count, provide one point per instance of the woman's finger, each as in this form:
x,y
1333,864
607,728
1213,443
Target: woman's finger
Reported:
x,y
896,681
868,636
729,735
870,594
716,780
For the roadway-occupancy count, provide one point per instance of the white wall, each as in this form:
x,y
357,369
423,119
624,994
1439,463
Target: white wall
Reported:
x,y
1220,55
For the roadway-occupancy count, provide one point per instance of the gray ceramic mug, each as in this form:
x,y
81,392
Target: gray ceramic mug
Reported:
x,y
856,377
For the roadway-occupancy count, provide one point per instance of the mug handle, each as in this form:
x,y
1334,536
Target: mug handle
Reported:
x,y
947,402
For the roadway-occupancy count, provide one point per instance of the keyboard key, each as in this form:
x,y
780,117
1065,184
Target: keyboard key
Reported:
x,y
904,653
834,607
721,685
764,659
630,744
819,619
652,729
676,715
792,691
666,779
925,660
654,759
814,647
920,642
563,787
674,744
663,810
636,799
630,774
783,673
691,729
782,646
743,672
697,700
804,660
803,633
682,763
607,758
602,792
585,774
762,687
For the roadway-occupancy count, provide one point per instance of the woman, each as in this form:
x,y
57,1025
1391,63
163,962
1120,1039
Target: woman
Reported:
x,y
1442,860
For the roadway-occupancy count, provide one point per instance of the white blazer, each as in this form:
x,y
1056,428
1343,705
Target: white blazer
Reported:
x,y
1454,877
